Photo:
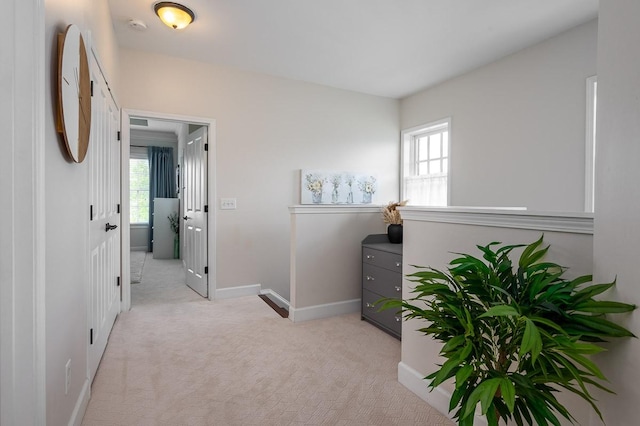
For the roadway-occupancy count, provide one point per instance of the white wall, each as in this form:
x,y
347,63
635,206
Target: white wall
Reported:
x,y
518,125
139,237
22,322
617,204
267,129
326,273
67,212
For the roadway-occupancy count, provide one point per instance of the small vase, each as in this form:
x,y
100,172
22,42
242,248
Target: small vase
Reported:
x,y
316,197
394,233
366,198
334,196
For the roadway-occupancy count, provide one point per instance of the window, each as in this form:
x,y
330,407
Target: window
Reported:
x,y
425,168
590,147
139,186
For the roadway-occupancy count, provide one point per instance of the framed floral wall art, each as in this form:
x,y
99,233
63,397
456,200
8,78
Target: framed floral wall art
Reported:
x,y
328,187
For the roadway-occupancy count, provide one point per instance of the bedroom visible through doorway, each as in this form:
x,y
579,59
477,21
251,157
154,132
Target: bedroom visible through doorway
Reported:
x,y
167,178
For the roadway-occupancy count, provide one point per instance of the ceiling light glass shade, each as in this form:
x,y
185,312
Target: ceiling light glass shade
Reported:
x,y
174,15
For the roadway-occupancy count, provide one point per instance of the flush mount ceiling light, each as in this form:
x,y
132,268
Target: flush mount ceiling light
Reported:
x,y
174,15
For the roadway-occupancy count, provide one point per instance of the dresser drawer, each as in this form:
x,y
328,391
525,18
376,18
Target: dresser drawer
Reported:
x,y
382,281
382,259
389,319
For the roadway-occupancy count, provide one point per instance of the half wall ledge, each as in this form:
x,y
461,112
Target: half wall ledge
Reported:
x,y
503,217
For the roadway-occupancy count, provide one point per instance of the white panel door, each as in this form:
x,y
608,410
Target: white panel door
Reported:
x,y
195,216
104,234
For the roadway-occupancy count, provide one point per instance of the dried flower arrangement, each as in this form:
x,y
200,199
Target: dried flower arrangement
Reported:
x,y
315,182
391,215
174,222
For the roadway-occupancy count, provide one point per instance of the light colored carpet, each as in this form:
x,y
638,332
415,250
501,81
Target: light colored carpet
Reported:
x,y
237,362
163,281
137,263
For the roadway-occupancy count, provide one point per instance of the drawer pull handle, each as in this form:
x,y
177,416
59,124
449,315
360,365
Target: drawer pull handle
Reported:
x,y
398,319
398,264
370,305
369,278
398,288
370,256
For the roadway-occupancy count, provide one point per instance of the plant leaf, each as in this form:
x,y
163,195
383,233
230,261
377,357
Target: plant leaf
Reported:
x,y
508,392
585,362
452,344
529,254
593,290
602,325
445,372
531,341
484,394
388,303
466,351
463,374
604,307
500,311
549,323
492,419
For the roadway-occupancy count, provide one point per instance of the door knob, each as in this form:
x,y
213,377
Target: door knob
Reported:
x,y
108,227
186,218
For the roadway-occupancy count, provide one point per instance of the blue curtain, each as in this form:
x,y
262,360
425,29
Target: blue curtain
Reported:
x,y
161,180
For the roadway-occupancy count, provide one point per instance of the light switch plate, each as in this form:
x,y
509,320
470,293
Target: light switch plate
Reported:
x,y
227,203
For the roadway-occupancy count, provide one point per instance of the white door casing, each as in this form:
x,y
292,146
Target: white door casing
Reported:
x,y
210,126
195,214
125,209
104,231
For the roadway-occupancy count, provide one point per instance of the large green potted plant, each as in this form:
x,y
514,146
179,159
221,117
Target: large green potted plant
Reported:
x,y
514,335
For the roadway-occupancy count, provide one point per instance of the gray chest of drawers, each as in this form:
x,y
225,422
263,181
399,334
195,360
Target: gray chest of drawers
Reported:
x,y
381,277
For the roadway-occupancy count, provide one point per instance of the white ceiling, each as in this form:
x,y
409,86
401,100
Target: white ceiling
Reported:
x,y
383,47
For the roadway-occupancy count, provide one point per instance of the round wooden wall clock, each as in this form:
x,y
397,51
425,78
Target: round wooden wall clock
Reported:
x,y
74,93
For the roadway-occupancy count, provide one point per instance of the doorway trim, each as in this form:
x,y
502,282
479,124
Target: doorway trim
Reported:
x,y
211,195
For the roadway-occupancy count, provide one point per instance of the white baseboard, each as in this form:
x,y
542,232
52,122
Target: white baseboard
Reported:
x,y
438,398
324,311
231,292
275,295
81,405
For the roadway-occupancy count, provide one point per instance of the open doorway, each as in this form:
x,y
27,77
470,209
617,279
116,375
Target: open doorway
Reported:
x,y
167,181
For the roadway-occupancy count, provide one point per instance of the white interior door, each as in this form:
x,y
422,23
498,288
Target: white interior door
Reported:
x,y
104,234
195,211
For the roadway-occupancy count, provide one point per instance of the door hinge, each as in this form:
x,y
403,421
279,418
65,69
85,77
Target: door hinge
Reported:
x,y
118,282
206,269
119,135
206,147
91,212
91,88
91,336
206,209
118,209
